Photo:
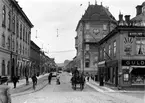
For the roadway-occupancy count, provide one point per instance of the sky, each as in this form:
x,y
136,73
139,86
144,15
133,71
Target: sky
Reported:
x,y
55,22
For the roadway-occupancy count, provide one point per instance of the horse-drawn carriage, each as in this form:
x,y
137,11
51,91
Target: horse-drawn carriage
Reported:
x,y
77,79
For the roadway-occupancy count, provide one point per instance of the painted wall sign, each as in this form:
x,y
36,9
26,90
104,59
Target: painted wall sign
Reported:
x,y
135,34
133,62
128,41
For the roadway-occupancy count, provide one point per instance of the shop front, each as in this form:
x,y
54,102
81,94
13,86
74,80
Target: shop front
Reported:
x,y
111,72
133,72
101,69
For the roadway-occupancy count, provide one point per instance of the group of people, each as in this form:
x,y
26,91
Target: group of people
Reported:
x,y
57,78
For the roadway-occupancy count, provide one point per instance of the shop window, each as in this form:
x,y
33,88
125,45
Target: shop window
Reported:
x,y
126,77
4,16
140,46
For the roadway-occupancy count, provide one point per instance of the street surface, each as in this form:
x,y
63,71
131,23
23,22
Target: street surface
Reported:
x,y
63,93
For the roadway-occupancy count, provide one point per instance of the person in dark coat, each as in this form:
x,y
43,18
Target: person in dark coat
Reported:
x,y
34,79
49,78
15,80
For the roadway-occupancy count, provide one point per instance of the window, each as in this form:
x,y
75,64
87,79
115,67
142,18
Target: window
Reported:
x,y
87,63
13,45
109,50
143,9
140,45
26,36
104,27
100,54
4,16
9,20
13,24
17,47
114,48
8,42
23,33
104,52
20,48
3,68
17,28
20,31
3,40
87,47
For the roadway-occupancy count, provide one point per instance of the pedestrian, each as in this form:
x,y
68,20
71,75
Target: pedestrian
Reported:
x,y
49,78
58,79
27,80
15,80
34,80
88,78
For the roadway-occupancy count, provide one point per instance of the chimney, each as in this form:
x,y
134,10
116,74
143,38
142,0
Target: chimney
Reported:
x,y
127,19
120,17
138,10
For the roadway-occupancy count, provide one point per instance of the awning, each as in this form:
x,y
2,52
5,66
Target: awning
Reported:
x,y
101,64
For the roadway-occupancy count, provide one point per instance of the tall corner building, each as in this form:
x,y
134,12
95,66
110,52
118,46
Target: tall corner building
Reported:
x,y
94,25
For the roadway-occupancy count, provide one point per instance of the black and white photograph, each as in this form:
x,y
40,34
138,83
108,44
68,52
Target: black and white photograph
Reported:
x,y
72,51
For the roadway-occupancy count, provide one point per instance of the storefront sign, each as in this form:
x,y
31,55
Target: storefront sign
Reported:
x,y
128,41
133,62
135,34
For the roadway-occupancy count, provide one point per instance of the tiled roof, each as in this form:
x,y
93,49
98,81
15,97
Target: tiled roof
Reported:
x,y
140,17
97,12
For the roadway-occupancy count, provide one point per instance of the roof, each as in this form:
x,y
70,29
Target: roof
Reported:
x,y
97,13
140,17
121,28
22,13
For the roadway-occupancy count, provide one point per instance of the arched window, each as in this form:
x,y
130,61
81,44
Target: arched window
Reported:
x,y
4,16
3,67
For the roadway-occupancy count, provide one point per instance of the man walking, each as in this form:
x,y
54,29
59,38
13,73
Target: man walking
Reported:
x,y
49,78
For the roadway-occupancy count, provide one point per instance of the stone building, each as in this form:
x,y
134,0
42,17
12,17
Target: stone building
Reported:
x,y
15,35
95,24
122,52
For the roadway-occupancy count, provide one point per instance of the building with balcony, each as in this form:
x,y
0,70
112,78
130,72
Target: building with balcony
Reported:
x,y
122,53
94,25
15,35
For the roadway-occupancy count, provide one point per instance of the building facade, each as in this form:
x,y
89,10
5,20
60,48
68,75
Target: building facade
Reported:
x,y
35,58
15,35
92,27
122,53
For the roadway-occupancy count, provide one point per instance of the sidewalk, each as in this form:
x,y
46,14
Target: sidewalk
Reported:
x,y
107,88
23,81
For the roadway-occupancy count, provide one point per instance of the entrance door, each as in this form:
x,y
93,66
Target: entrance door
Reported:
x,y
116,76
